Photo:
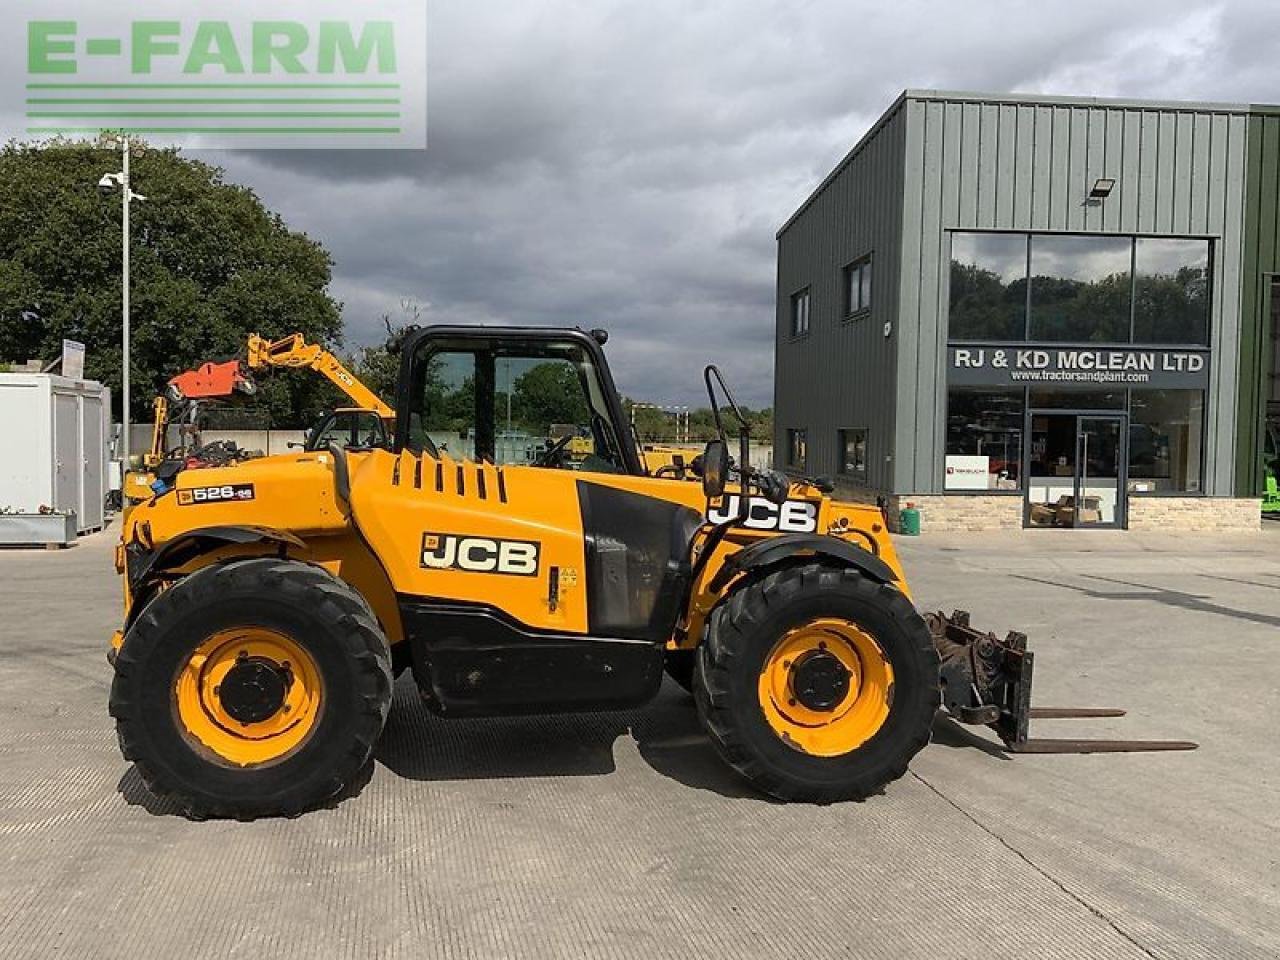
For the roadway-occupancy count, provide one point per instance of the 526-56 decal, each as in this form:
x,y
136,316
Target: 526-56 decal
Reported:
x,y
226,493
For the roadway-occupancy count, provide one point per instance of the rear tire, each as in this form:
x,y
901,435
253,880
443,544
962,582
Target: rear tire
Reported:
x,y
216,766
746,629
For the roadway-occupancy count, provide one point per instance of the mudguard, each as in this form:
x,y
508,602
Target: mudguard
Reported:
x,y
790,546
142,563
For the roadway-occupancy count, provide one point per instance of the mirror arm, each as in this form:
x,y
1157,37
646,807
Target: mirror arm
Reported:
x,y
744,471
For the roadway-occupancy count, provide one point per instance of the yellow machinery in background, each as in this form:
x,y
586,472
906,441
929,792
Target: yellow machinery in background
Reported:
x,y
269,606
181,401
294,353
368,421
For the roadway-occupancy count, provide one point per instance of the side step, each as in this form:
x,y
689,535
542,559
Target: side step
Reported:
x,y
986,680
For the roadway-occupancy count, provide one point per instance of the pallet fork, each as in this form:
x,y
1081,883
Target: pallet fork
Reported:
x,y
986,680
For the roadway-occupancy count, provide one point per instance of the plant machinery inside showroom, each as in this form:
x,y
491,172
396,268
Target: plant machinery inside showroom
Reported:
x,y
1070,323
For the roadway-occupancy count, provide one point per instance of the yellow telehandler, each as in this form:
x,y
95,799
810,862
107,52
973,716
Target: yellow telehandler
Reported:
x,y
269,606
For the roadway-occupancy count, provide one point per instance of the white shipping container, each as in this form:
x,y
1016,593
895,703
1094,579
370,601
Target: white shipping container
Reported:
x,y
55,446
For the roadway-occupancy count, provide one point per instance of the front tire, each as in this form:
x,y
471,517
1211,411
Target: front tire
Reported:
x,y
817,684
252,688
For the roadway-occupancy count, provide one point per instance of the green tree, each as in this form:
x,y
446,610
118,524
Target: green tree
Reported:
x,y
210,264
378,366
549,393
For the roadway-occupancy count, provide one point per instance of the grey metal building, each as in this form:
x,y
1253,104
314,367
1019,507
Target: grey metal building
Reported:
x,y
1037,311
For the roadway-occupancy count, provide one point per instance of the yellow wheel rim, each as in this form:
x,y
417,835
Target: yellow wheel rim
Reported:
x,y
849,709
277,721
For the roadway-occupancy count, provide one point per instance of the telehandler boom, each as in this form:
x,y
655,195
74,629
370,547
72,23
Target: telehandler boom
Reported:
x,y
295,353
269,606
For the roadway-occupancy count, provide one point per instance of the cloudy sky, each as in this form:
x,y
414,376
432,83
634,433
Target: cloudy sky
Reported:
x,y
626,164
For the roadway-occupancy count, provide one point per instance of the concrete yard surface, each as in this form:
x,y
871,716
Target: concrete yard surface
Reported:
x,y
622,835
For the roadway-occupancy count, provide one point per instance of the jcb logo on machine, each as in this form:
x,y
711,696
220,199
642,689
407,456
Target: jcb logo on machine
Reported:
x,y
223,494
790,516
451,551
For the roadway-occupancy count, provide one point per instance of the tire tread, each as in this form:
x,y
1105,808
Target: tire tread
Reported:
x,y
331,599
736,619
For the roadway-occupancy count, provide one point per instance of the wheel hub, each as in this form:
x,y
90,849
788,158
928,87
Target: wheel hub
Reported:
x,y
254,689
820,681
825,687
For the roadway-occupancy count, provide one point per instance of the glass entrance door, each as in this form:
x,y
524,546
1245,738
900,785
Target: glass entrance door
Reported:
x,y
1100,465
1075,469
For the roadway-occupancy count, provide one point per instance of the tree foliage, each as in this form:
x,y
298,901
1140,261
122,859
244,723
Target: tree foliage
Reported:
x,y
210,264
1166,307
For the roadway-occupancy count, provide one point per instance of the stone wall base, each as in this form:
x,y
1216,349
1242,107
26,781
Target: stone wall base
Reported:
x,y
940,513
1195,514
979,511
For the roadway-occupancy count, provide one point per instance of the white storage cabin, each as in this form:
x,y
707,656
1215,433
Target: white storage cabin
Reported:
x,y
56,431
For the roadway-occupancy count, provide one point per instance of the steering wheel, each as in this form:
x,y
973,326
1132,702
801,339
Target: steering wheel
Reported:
x,y
554,454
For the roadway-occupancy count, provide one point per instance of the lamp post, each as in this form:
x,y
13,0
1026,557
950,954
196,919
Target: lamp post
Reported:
x,y
108,183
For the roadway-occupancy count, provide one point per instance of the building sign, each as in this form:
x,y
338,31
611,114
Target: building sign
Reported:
x,y
966,472
73,359
1009,365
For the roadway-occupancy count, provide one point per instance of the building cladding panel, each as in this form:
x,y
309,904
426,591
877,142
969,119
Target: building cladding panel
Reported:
x,y
1015,163
849,365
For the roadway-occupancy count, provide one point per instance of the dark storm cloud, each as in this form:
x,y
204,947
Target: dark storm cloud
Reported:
x,y
626,165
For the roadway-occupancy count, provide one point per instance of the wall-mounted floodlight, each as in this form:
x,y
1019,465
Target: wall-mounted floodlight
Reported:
x,y
1102,188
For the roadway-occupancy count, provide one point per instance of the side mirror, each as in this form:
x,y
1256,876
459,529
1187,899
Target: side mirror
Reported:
x,y
715,468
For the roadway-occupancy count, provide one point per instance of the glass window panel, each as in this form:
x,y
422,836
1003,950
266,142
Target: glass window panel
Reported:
x,y
857,286
1081,289
797,452
1171,296
853,453
1059,399
800,313
1166,437
535,404
988,286
984,439
348,428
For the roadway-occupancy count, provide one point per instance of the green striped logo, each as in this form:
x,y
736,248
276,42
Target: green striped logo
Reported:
x,y
216,83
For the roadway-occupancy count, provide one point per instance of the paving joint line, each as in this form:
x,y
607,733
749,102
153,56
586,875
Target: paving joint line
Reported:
x,y
1096,911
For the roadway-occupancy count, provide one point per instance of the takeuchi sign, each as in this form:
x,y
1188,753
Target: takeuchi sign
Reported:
x,y
1014,364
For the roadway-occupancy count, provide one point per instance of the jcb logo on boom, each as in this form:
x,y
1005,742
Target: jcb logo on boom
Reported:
x,y
450,551
223,494
790,516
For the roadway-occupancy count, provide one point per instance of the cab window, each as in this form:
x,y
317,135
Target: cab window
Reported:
x,y
348,428
539,404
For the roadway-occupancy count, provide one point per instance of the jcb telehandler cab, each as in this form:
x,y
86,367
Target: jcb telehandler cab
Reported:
x,y
268,607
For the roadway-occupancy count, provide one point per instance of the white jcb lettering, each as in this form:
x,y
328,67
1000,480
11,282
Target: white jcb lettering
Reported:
x,y
477,554
519,558
796,516
441,553
445,551
791,516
